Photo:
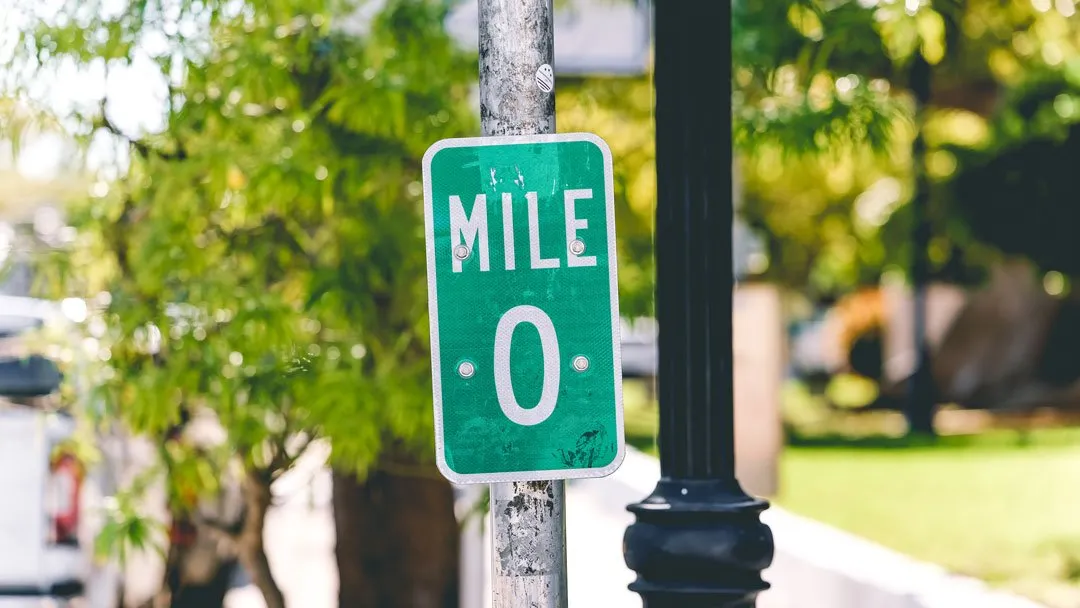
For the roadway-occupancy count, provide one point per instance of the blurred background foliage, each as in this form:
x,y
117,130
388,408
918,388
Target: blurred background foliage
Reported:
x,y
620,111
831,78
279,202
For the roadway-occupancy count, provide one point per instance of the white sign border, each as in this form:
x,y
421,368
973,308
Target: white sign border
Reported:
x,y
433,310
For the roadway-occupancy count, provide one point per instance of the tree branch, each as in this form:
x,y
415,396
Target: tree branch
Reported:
x,y
102,121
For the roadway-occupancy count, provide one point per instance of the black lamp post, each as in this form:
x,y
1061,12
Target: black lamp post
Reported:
x,y
698,540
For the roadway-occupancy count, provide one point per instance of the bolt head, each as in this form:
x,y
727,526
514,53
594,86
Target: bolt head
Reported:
x,y
466,369
577,247
461,252
580,363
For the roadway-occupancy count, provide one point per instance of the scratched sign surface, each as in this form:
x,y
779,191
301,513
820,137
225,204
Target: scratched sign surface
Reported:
x,y
523,299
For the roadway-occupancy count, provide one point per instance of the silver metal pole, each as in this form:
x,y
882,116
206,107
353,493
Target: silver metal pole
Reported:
x,y
529,538
517,52
517,82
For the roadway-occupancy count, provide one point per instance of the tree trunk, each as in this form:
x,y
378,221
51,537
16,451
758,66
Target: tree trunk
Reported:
x,y
179,591
251,547
397,537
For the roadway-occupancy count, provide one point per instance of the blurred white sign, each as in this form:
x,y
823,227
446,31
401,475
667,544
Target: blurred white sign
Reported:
x,y
592,37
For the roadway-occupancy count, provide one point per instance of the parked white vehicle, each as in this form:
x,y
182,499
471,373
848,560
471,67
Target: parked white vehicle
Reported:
x,y
45,540
40,554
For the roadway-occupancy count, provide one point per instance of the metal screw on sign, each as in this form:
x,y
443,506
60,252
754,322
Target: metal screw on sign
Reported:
x,y
461,252
581,363
577,247
466,369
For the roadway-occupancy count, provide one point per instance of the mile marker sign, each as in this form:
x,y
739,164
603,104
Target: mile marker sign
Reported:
x,y
523,296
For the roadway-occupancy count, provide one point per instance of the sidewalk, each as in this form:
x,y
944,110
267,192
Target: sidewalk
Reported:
x,y
300,543
816,566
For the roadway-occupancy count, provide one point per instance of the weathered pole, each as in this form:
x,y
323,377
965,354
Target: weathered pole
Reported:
x,y
698,540
517,51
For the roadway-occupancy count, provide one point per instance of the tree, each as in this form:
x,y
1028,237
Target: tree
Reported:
x,y
796,60
988,122
1012,185
819,120
262,254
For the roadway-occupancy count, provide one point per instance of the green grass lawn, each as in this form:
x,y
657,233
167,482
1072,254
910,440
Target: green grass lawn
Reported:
x,y
985,506
990,506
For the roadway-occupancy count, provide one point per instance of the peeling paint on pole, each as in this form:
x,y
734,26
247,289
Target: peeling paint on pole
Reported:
x,y
529,545
523,516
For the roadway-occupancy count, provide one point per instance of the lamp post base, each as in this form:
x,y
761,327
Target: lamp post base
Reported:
x,y
698,544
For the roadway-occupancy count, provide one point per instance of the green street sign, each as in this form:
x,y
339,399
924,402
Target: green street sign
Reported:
x,y
524,305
